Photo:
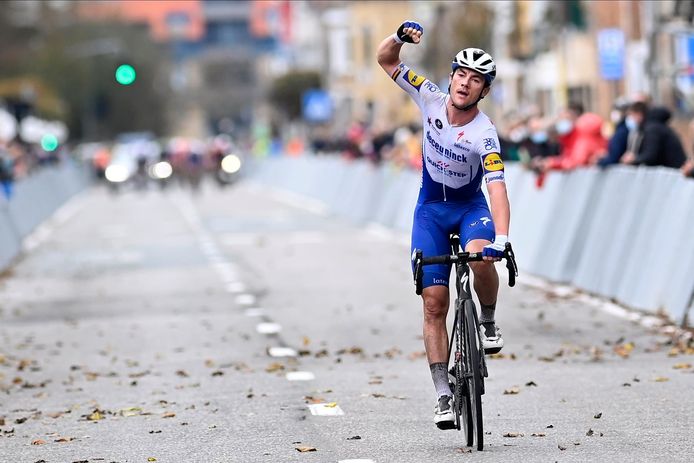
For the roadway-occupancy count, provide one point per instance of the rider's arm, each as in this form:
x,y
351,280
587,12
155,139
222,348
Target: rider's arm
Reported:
x,y
500,207
389,54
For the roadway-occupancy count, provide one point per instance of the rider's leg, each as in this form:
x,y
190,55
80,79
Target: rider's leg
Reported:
x,y
436,301
486,286
486,281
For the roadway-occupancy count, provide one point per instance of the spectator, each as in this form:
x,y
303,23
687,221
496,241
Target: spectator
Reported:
x,y
565,127
539,144
659,145
617,145
6,171
588,145
688,168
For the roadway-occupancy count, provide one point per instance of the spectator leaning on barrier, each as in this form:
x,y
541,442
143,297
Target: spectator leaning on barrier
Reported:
x,y
617,145
587,146
565,127
658,145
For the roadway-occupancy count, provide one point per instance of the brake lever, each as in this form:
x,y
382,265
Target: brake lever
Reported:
x,y
511,265
418,272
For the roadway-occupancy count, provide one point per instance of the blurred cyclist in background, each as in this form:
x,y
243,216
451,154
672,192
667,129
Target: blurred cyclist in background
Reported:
x,y
460,149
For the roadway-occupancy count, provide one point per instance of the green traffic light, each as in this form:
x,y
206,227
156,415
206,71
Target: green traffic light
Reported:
x,y
49,142
125,74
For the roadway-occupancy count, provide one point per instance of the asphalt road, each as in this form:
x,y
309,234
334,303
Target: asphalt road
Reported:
x,y
151,326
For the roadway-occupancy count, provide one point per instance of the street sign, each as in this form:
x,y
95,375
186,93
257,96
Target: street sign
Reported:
x,y
611,54
317,106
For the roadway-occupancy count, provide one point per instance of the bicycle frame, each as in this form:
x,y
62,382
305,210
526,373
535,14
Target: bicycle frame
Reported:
x,y
462,286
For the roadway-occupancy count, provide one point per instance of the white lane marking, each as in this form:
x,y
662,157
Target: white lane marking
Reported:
x,y
328,409
254,312
300,376
236,287
282,352
268,328
245,299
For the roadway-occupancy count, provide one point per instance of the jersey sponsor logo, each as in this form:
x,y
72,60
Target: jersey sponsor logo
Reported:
x,y
414,80
492,162
442,168
439,124
490,144
498,177
485,220
460,134
445,152
432,87
459,146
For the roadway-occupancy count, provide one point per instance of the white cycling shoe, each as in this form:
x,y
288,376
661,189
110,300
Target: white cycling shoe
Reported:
x,y
443,413
492,342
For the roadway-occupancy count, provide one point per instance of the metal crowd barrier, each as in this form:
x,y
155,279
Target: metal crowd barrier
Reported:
x,y
35,199
624,233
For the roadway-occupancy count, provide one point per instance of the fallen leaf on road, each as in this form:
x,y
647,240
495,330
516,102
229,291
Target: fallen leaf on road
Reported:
x,y
305,341
590,432
306,449
273,367
209,363
331,405
682,366
151,459
64,439
21,420
623,350
218,373
538,434
561,447
354,438
661,379
550,426
513,434
463,450
168,415
531,383
597,416
512,391
377,395
182,373
38,442
417,355
2,421
130,411
96,415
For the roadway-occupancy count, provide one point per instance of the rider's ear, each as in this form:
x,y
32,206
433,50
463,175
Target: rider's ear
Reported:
x,y
485,91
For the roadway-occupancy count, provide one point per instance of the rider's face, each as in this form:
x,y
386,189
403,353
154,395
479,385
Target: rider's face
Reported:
x,y
467,86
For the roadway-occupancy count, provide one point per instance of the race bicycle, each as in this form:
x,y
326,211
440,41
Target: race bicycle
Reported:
x,y
469,367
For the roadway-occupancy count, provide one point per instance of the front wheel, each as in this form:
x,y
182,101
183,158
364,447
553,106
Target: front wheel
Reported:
x,y
473,371
462,391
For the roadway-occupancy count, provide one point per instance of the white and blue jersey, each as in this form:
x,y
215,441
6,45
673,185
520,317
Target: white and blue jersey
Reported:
x,y
455,159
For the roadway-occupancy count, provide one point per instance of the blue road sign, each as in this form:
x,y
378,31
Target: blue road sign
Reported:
x,y
611,53
317,106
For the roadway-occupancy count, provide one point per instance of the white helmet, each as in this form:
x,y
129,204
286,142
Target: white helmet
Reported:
x,y
477,60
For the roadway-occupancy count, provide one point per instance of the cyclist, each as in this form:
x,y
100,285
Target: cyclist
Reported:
x,y
460,147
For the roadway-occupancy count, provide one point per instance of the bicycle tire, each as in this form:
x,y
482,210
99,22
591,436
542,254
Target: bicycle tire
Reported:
x,y
462,391
474,379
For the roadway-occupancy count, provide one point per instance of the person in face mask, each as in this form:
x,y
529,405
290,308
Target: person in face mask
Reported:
x,y
565,128
659,145
617,144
